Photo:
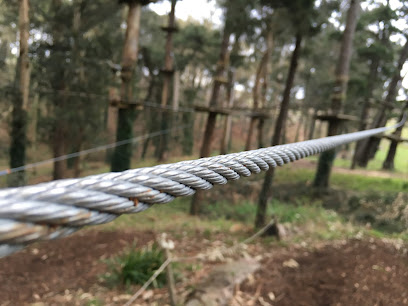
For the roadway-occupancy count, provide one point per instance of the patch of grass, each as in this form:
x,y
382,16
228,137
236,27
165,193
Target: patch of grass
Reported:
x,y
244,211
172,217
400,161
290,174
136,267
94,302
299,214
367,183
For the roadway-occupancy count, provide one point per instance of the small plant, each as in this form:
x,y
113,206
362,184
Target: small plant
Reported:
x,y
136,266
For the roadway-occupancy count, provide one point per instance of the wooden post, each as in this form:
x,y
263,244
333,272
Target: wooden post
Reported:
x,y
226,134
170,280
176,91
168,73
168,245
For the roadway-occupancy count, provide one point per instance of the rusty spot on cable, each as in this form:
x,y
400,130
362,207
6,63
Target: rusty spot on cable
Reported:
x,y
135,201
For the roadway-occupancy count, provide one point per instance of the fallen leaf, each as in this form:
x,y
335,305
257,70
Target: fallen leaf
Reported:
x,y
263,302
147,294
291,263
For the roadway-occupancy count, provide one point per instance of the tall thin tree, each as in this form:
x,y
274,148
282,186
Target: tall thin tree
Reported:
x,y
20,103
168,73
122,155
277,135
339,93
212,116
368,146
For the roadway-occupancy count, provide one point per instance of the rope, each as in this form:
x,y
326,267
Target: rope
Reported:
x,y
91,150
55,209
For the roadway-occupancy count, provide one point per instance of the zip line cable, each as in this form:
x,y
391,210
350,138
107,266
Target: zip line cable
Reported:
x,y
81,94
58,208
91,150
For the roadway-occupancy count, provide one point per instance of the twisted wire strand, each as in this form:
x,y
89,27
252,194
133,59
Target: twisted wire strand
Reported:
x,y
56,209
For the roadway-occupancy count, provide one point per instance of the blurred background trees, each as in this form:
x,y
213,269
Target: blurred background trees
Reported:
x,y
78,74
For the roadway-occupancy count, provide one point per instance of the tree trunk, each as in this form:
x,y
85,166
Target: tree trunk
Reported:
x,y
366,106
299,125
368,146
389,161
19,115
226,133
249,134
312,124
261,124
78,139
122,155
166,117
339,94
187,118
168,61
59,144
211,119
261,73
280,122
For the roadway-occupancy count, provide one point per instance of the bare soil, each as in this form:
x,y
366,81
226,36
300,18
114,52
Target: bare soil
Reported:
x,y
351,272
354,272
54,266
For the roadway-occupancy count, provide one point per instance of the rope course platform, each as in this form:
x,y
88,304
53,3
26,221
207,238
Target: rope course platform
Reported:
x,y
225,111
336,117
58,208
392,137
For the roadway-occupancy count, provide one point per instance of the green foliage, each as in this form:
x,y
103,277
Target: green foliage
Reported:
x,y
244,212
136,266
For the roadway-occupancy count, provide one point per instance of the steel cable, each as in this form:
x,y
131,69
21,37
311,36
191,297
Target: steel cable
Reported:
x,y
58,208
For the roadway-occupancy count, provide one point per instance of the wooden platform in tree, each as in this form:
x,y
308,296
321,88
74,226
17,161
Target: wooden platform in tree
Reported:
x,y
167,71
126,104
392,137
249,112
260,114
221,80
336,117
169,29
212,109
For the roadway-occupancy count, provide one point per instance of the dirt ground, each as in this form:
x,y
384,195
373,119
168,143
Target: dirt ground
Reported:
x,y
351,272
52,267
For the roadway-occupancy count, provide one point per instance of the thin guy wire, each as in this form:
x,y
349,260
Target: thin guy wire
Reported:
x,y
32,213
91,150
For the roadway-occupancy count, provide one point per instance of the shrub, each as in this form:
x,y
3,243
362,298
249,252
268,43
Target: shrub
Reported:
x,y
136,266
